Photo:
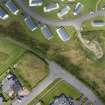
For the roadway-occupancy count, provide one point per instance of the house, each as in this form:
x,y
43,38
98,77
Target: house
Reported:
x,y
29,22
46,32
11,86
3,14
98,23
62,34
63,11
62,100
51,7
77,9
12,7
1,100
35,2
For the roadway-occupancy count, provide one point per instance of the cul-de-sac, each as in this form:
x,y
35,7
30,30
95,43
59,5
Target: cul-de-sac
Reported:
x,y
52,52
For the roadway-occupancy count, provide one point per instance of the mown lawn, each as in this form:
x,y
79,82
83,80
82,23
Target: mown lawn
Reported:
x,y
31,70
9,54
55,89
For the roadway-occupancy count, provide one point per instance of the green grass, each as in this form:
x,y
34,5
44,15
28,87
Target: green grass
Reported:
x,y
9,54
55,89
31,70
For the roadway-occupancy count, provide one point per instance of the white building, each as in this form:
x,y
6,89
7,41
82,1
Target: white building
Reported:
x,y
35,2
63,11
98,23
64,36
12,7
51,7
3,15
78,8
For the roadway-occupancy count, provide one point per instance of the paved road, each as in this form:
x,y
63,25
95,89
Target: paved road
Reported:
x,y
55,70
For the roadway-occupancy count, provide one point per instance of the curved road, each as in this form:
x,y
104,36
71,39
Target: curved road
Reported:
x,y
55,70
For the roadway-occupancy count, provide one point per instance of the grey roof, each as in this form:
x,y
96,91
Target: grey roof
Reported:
x,y
11,6
2,13
62,100
36,1
1,100
64,11
51,6
98,23
46,32
9,83
30,23
63,34
78,7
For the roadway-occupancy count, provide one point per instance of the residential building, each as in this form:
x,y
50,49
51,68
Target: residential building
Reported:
x,y
46,32
11,86
98,23
63,11
3,14
62,34
12,7
78,8
1,100
51,7
29,22
35,2
62,100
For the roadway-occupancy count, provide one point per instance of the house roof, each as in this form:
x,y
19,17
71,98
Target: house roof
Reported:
x,y
46,32
62,100
63,34
64,11
2,13
78,8
51,7
98,23
12,7
1,100
35,2
30,23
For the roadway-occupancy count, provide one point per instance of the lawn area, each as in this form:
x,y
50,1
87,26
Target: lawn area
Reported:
x,y
9,54
31,70
55,89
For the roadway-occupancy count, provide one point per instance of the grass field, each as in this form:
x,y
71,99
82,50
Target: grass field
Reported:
x,y
31,70
9,54
55,89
